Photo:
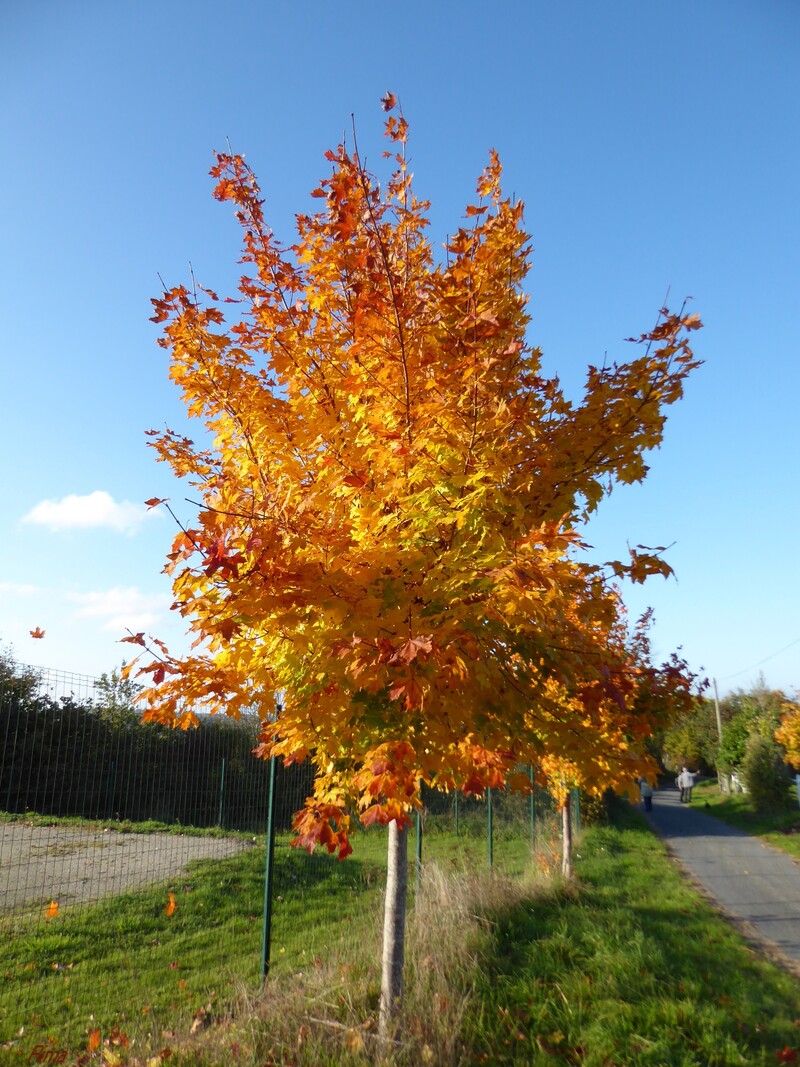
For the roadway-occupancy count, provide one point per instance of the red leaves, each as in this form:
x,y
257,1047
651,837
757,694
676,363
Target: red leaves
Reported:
x,y
322,824
135,639
38,633
413,647
383,814
786,1055
408,690
488,769
237,183
217,559
154,501
388,101
389,783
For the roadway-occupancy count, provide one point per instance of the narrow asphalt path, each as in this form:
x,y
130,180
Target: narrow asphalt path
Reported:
x,y
755,884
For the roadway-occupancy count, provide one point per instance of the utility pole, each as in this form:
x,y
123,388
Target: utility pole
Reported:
x,y
716,709
721,779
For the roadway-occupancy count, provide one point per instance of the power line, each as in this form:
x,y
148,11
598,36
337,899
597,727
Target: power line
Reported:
x,y
772,655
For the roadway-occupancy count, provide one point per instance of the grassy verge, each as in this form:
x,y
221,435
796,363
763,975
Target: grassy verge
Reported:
x,y
633,969
123,826
628,967
126,965
781,829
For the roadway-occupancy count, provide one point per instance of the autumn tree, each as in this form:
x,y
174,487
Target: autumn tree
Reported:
x,y
787,733
618,732
390,506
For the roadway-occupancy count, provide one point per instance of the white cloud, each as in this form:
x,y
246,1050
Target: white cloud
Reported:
x,y
17,589
122,608
84,512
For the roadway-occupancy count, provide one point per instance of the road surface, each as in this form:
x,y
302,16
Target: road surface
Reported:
x,y
753,883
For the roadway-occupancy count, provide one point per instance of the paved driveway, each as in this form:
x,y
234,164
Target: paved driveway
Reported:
x,y
757,885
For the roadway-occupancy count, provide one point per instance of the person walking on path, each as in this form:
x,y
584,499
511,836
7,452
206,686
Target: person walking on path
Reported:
x,y
685,782
646,791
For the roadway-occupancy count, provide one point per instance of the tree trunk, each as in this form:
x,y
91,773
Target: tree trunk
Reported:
x,y
566,839
394,927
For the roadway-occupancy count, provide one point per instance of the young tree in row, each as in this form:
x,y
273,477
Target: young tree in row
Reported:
x,y
388,529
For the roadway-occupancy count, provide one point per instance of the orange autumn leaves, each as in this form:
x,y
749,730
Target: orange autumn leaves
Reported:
x,y
52,909
391,501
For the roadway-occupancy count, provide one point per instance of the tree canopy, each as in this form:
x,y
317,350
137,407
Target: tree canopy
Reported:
x,y
388,531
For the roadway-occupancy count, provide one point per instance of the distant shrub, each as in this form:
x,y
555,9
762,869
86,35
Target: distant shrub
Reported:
x,y
764,775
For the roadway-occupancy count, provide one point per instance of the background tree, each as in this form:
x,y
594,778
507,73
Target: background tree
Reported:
x,y
692,739
765,775
787,733
387,529
18,684
116,697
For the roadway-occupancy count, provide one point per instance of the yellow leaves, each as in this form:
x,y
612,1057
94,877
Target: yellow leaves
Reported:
x,y
788,732
171,907
387,518
51,911
354,1042
489,183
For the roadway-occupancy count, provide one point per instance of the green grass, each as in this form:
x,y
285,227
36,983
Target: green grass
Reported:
x,y
628,967
124,963
634,968
781,829
123,826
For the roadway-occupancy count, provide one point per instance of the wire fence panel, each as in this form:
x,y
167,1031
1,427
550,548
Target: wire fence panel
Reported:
x,y
135,890
318,901
131,863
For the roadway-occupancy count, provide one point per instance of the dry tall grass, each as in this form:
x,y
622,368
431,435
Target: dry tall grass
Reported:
x,y
327,1014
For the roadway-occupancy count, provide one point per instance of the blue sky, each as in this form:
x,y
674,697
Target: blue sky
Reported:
x,y
656,146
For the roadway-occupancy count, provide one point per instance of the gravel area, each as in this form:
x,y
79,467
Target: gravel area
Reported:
x,y
71,864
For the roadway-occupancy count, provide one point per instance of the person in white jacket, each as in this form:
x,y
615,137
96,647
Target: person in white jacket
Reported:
x,y
685,782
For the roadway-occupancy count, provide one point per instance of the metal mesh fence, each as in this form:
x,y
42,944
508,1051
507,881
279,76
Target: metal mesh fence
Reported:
x,y
131,862
133,865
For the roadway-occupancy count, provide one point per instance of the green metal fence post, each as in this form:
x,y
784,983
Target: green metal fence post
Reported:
x,y
533,812
419,849
455,810
490,828
266,930
221,791
576,811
